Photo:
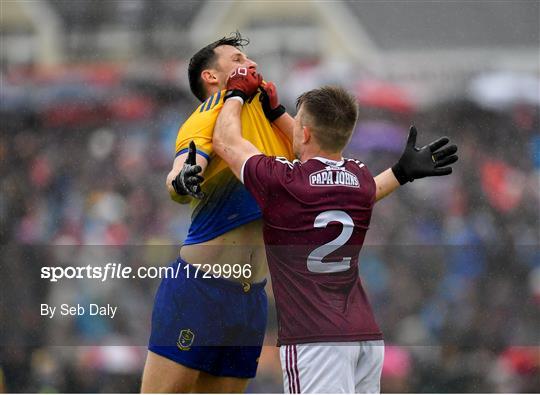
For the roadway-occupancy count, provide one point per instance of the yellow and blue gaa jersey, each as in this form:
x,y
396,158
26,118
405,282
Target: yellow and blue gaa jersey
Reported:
x,y
227,203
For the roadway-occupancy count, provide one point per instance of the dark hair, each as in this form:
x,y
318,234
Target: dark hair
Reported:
x,y
205,57
331,112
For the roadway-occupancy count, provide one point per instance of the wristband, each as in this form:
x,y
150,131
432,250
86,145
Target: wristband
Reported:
x,y
399,173
235,93
237,98
277,112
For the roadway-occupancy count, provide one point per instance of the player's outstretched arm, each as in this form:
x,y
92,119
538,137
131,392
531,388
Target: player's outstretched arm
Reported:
x,y
227,140
184,180
428,161
385,183
274,111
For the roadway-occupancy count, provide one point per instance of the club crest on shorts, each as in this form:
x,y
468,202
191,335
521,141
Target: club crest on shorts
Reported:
x,y
185,339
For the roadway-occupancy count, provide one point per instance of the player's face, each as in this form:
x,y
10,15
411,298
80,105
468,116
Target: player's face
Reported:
x,y
228,59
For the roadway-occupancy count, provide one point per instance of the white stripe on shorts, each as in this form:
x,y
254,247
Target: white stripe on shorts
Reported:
x,y
291,368
289,380
296,375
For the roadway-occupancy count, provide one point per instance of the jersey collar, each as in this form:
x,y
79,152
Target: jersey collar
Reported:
x,y
329,162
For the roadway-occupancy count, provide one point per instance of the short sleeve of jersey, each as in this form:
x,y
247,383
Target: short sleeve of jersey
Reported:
x,y
200,127
262,175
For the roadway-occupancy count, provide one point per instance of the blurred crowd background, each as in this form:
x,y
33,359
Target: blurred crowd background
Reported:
x,y
92,95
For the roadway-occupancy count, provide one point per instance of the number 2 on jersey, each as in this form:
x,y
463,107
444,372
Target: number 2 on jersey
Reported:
x,y
314,261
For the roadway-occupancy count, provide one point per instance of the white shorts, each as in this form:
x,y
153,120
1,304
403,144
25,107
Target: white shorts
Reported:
x,y
338,367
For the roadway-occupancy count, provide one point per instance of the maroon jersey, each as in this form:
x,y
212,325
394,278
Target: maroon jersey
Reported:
x,y
316,215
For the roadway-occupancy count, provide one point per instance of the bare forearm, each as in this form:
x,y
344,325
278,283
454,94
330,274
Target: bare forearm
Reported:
x,y
285,123
228,141
228,129
386,183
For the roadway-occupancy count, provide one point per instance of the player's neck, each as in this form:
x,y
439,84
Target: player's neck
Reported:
x,y
313,153
212,90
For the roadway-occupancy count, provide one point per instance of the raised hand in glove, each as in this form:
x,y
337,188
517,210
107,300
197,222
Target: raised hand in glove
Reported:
x,y
428,161
270,102
243,83
188,181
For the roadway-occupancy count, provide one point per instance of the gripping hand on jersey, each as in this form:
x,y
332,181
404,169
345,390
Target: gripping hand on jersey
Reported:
x,y
270,102
243,83
188,181
427,161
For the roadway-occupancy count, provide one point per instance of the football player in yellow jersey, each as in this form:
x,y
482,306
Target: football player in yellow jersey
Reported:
x,y
208,323
207,326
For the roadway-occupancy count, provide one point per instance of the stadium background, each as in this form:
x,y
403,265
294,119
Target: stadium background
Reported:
x,y
92,94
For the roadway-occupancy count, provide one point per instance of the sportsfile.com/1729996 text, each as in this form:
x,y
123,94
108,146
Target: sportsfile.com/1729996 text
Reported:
x,y
111,271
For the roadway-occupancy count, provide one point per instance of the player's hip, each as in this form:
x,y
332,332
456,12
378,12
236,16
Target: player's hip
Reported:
x,y
333,367
218,312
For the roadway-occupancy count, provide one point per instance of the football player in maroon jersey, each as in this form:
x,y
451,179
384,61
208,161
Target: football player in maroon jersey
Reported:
x,y
316,212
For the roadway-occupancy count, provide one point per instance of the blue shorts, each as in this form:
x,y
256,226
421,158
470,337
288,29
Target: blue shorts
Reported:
x,y
209,324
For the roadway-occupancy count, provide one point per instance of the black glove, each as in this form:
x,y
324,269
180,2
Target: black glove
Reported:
x,y
426,161
188,181
270,102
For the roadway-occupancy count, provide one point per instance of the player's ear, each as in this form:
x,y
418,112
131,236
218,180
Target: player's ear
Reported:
x,y
306,134
209,77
